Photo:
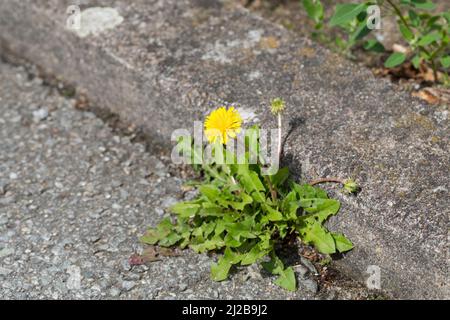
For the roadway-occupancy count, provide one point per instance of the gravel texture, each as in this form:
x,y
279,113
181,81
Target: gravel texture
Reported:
x,y
74,199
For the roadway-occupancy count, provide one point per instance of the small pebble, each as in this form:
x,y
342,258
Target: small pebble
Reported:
x,y
183,287
128,285
114,292
310,285
6,252
40,114
301,270
4,271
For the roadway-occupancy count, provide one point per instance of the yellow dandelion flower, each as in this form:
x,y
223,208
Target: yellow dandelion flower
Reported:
x,y
222,124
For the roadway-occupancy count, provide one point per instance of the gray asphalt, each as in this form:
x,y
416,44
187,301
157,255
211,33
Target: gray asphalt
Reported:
x,y
74,198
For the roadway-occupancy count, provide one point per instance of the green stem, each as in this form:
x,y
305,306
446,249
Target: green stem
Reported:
x,y
433,65
400,15
226,169
273,192
213,173
434,55
438,50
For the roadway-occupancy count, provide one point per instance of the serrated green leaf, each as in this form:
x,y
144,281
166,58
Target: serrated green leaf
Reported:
x,y
211,210
212,244
171,239
220,270
342,243
231,241
290,197
184,243
274,265
208,228
241,229
374,45
445,61
252,182
165,225
253,185
151,237
318,236
185,209
231,256
291,212
231,217
309,192
283,229
265,242
210,191
395,59
162,230
220,227
290,206
280,177
346,12
246,199
197,235
272,214
287,279
255,253
319,209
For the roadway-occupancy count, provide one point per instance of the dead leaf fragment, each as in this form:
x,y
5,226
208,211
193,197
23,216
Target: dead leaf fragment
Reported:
x,y
399,48
168,252
135,260
434,95
152,254
407,71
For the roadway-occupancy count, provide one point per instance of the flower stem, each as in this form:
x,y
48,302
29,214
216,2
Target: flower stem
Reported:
x,y
324,180
279,136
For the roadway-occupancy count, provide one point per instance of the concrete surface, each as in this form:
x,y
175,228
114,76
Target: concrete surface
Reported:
x,y
170,61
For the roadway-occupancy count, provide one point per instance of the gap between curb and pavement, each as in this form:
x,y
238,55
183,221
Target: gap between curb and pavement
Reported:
x,y
163,64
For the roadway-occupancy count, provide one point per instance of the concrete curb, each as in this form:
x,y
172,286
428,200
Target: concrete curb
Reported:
x,y
168,62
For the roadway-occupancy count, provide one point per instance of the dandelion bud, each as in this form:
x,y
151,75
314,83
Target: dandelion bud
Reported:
x,y
277,106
